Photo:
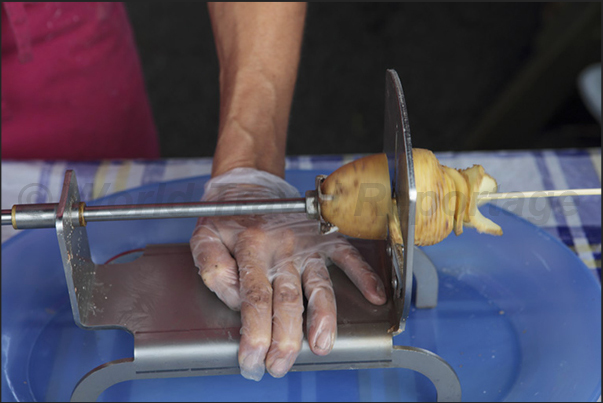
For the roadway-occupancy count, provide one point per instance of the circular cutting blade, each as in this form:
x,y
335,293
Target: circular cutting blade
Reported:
x,y
398,147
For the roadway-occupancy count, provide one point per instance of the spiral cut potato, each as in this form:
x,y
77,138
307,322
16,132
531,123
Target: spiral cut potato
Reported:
x,y
357,199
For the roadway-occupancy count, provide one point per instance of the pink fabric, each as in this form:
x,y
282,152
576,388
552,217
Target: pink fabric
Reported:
x,y
72,85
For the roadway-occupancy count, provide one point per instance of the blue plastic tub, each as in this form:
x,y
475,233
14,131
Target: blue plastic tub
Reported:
x,y
519,319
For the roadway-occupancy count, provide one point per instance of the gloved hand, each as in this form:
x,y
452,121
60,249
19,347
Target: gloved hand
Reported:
x,y
274,256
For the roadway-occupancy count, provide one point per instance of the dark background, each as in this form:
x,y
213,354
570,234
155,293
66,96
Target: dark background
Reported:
x,y
475,75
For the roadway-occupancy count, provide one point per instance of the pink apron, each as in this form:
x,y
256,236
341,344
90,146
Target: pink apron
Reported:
x,y
72,85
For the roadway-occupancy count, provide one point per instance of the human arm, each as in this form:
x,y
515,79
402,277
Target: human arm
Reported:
x,y
265,264
258,46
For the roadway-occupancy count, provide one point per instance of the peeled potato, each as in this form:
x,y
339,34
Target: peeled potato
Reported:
x,y
479,181
461,195
358,198
435,205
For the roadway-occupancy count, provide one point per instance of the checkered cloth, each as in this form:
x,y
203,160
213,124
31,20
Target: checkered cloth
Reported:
x,y
576,221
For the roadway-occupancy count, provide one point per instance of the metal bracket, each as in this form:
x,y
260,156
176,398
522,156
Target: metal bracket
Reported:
x,y
185,330
430,365
79,269
426,276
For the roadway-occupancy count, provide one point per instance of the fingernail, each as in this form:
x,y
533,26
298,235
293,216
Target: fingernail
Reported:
x,y
324,341
251,367
280,367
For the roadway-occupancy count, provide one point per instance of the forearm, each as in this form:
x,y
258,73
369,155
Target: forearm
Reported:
x,y
258,46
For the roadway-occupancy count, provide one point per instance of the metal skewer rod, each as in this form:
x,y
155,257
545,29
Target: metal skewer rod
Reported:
x,y
538,193
44,215
188,210
24,216
6,217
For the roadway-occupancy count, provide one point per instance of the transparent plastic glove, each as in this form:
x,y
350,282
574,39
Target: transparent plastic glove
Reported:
x,y
260,264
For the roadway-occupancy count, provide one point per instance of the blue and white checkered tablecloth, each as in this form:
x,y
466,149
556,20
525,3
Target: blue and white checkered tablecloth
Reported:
x,y
576,221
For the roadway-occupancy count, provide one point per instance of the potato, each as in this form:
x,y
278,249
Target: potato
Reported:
x,y
435,208
447,199
461,195
394,228
479,181
359,198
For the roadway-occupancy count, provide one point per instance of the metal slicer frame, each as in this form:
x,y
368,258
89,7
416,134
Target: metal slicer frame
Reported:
x,y
185,330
